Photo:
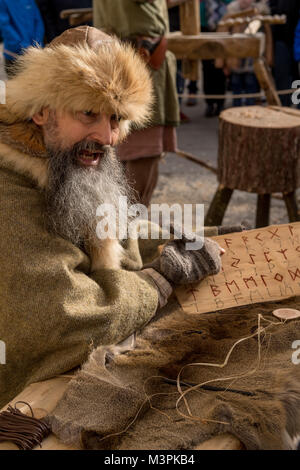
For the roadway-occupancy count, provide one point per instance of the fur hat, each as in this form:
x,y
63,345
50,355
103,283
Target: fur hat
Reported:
x,y
83,69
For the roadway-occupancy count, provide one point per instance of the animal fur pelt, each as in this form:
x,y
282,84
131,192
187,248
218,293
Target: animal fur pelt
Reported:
x,y
83,69
128,401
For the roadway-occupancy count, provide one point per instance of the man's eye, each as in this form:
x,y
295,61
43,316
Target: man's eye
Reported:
x,y
115,117
88,113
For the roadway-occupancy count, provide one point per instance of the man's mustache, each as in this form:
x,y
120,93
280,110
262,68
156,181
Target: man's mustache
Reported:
x,y
90,146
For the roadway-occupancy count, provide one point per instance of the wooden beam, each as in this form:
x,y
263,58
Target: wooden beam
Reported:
x,y
75,11
266,81
190,25
190,17
207,46
175,3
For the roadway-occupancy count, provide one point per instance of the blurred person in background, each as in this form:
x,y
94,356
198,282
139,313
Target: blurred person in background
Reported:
x,y
174,22
144,24
193,84
21,27
50,11
214,79
243,78
297,44
285,66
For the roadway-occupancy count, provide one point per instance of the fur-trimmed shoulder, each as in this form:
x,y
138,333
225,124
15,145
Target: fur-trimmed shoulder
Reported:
x,y
34,168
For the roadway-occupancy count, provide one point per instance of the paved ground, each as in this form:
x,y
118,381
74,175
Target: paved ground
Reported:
x,y
185,182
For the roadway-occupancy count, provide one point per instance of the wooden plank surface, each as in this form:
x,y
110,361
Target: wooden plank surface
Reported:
x,y
190,25
43,397
205,46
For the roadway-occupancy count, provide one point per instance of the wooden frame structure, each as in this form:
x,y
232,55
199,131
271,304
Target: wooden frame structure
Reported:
x,y
190,45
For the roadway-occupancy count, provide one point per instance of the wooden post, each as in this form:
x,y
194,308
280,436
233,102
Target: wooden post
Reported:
x,y
291,205
263,210
266,81
218,206
190,25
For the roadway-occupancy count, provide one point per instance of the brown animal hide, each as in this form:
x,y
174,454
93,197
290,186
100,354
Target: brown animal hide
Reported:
x,y
128,400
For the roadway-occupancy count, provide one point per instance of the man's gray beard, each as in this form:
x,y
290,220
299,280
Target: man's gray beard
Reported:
x,y
74,193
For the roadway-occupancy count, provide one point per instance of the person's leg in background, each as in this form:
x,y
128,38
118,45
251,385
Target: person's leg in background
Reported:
x,y
207,68
251,85
236,87
219,88
180,84
283,70
180,81
193,90
174,25
214,83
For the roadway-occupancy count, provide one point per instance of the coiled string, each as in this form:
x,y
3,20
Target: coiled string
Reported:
x,y
24,431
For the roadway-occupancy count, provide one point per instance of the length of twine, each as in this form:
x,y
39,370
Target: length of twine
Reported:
x,y
235,97
183,394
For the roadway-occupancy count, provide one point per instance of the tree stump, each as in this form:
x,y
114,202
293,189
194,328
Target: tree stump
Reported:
x,y
259,149
259,152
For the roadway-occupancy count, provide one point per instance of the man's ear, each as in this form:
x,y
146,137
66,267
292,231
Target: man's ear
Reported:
x,y
42,117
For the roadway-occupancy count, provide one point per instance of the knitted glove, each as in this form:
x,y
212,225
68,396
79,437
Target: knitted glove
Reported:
x,y
180,266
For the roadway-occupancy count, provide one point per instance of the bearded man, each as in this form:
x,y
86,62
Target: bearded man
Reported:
x,y
62,289
144,23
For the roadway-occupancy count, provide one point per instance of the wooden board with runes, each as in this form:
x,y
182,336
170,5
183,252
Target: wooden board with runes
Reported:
x,y
259,266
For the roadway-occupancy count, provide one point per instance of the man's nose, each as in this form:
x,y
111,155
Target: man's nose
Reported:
x,y
102,132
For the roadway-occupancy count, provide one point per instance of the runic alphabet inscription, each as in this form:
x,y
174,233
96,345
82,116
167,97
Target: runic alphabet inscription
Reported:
x,y
258,266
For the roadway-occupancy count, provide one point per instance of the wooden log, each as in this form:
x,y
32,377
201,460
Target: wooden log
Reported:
x,y
259,150
206,46
190,25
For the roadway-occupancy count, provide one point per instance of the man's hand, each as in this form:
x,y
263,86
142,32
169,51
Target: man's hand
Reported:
x,y
181,266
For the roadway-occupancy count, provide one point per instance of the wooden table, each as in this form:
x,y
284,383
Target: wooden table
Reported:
x,y
43,397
